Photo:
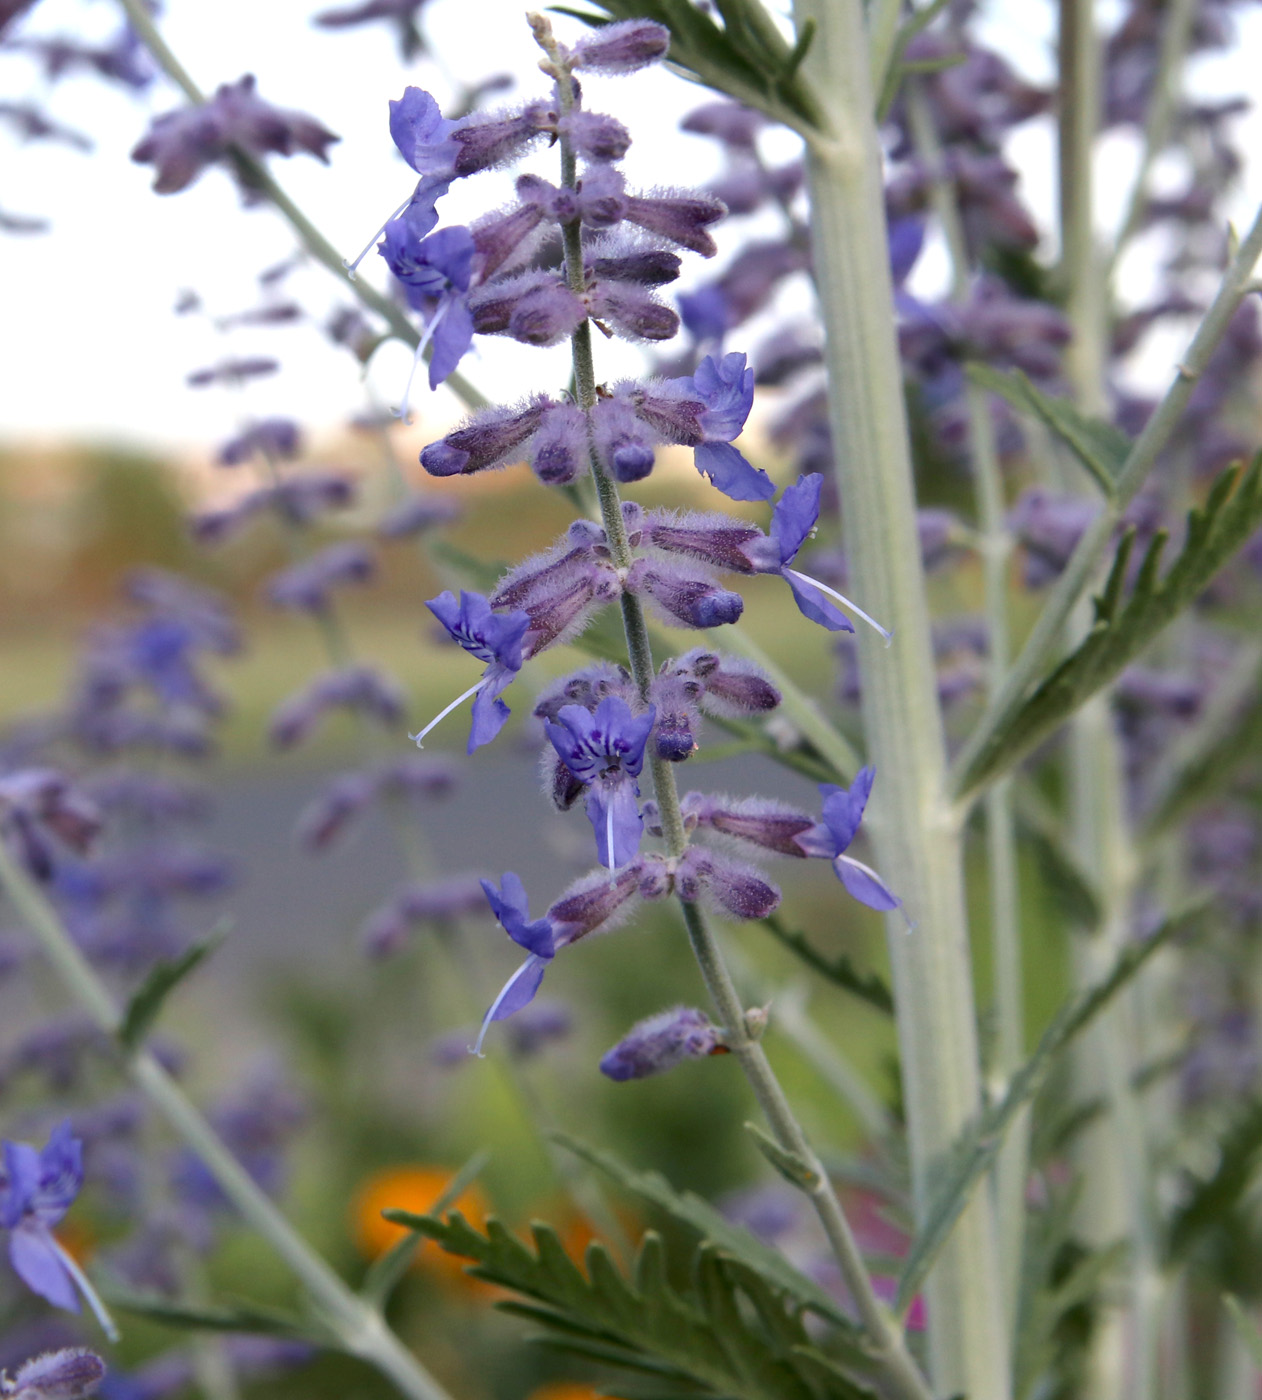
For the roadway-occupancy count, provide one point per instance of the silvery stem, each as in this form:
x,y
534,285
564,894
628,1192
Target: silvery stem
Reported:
x,y
916,829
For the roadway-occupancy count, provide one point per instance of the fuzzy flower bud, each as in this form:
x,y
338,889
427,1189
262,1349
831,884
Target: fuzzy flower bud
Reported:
x,y
683,598
621,47
593,136
71,1374
306,587
489,439
760,821
738,888
660,1043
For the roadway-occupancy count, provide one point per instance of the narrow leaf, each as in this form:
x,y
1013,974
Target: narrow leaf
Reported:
x,y
1215,532
837,968
146,1004
1070,888
797,1171
891,78
976,1149
1098,445
236,1317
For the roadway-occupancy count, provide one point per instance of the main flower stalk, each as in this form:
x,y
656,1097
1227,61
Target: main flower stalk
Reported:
x,y
885,1338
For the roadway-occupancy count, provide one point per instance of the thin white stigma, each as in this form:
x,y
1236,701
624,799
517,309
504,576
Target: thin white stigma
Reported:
x,y
368,247
442,714
476,1048
84,1285
404,408
845,602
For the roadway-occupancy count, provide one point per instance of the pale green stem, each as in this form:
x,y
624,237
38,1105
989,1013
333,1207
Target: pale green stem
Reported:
x,y
1081,569
309,236
1176,30
917,833
1114,1156
995,546
885,1341
358,1327
884,19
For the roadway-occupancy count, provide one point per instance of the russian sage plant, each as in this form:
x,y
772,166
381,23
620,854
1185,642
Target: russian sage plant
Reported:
x,y
980,468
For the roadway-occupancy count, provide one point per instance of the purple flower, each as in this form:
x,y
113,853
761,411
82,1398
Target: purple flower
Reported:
x,y
434,268
180,145
538,937
423,136
278,438
590,903
38,1189
661,1042
726,388
306,587
842,813
792,523
495,638
605,751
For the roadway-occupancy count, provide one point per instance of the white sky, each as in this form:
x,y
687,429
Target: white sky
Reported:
x,y
88,344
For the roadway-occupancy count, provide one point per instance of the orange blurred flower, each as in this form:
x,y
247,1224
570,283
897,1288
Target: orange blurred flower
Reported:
x,y
565,1390
413,1188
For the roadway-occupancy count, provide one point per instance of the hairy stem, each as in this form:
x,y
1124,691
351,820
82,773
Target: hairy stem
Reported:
x,y
260,179
917,834
358,1327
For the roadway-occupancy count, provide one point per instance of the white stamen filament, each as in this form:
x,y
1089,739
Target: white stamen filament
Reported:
x,y
442,714
403,410
368,247
84,1286
476,1048
845,602
609,842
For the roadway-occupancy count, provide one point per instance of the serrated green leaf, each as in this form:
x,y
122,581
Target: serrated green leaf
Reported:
x,y
707,1337
1209,1201
1098,445
1215,532
736,1241
974,1152
386,1273
1246,1327
796,1170
149,998
837,967
234,1317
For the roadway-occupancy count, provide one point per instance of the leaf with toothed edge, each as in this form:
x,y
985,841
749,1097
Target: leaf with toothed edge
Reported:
x,y
717,1231
1215,531
732,1333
